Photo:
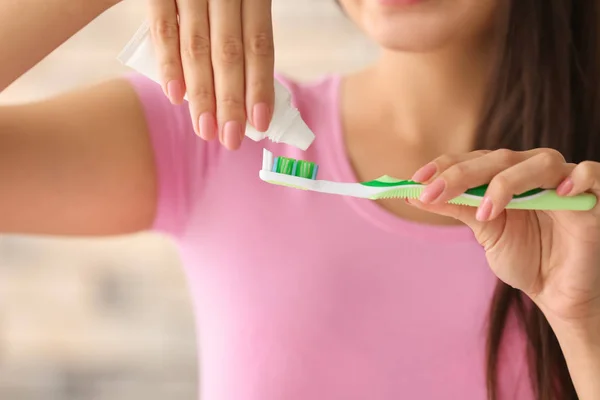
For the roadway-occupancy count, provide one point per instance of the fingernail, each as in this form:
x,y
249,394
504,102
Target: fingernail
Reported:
x,y
260,116
232,133
432,191
424,173
485,210
208,126
175,91
411,202
565,187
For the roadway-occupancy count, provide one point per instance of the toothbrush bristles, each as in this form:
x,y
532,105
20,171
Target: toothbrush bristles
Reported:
x,y
289,166
293,167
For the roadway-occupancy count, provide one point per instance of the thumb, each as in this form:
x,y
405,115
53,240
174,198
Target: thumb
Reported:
x,y
464,214
485,232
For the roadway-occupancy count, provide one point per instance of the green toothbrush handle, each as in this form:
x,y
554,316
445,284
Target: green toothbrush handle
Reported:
x,y
549,200
538,199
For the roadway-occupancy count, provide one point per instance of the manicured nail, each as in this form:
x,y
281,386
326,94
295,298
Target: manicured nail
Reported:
x,y
424,173
485,210
175,91
432,191
207,126
260,116
232,133
565,187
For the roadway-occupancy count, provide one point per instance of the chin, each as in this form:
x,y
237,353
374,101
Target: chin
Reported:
x,y
409,37
421,25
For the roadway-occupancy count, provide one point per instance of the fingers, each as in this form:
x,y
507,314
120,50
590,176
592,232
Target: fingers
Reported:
x,y
221,53
584,177
508,173
456,173
259,62
165,35
442,163
544,170
228,66
197,66
473,171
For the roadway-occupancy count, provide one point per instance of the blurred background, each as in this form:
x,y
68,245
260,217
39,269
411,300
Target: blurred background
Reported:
x,y
111,319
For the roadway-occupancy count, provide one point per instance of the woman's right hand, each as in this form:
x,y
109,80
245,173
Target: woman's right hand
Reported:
x,y
219,52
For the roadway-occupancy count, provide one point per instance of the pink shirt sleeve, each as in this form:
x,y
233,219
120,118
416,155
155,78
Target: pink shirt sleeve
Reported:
x,y
176,149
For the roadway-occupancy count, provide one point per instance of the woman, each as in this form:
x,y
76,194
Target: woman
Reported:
x,y
353,299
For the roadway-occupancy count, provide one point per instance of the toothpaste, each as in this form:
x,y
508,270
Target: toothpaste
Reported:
x,y
286,126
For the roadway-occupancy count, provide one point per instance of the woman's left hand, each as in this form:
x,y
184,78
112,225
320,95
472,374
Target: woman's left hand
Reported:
x,y
552,256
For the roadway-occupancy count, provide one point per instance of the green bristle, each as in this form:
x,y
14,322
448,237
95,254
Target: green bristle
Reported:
x,y
305,169
293,167
399,193
285,165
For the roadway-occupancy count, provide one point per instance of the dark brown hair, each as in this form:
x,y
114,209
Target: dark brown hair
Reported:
x,y
544,93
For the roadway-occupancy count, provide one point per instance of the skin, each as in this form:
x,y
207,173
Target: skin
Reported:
x,y
225,67
423,100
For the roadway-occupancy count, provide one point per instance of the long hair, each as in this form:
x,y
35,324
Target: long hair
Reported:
x,y
544,93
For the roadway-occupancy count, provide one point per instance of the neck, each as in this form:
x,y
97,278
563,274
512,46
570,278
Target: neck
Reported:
x,y
433,100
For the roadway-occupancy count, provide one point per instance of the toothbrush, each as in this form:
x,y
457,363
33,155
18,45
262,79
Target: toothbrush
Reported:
x,y
302,174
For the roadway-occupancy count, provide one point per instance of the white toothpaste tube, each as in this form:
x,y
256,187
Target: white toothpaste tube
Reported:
x,y
286,126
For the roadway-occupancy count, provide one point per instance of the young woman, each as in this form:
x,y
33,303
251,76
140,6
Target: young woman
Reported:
x,y
307,296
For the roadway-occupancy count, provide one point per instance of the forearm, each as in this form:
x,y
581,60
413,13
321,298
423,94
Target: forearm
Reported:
x,y
32,29
581,347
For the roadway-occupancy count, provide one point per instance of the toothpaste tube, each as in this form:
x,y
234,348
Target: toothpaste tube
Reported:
x,y
286,126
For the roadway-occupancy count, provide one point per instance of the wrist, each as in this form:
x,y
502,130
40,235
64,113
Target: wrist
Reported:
x,y
580,344
579,341
580,333
579,323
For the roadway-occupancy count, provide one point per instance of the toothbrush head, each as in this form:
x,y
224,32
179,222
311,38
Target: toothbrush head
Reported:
x,y
289,166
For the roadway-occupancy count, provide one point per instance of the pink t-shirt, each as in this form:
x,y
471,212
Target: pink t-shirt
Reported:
x,y
300,295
